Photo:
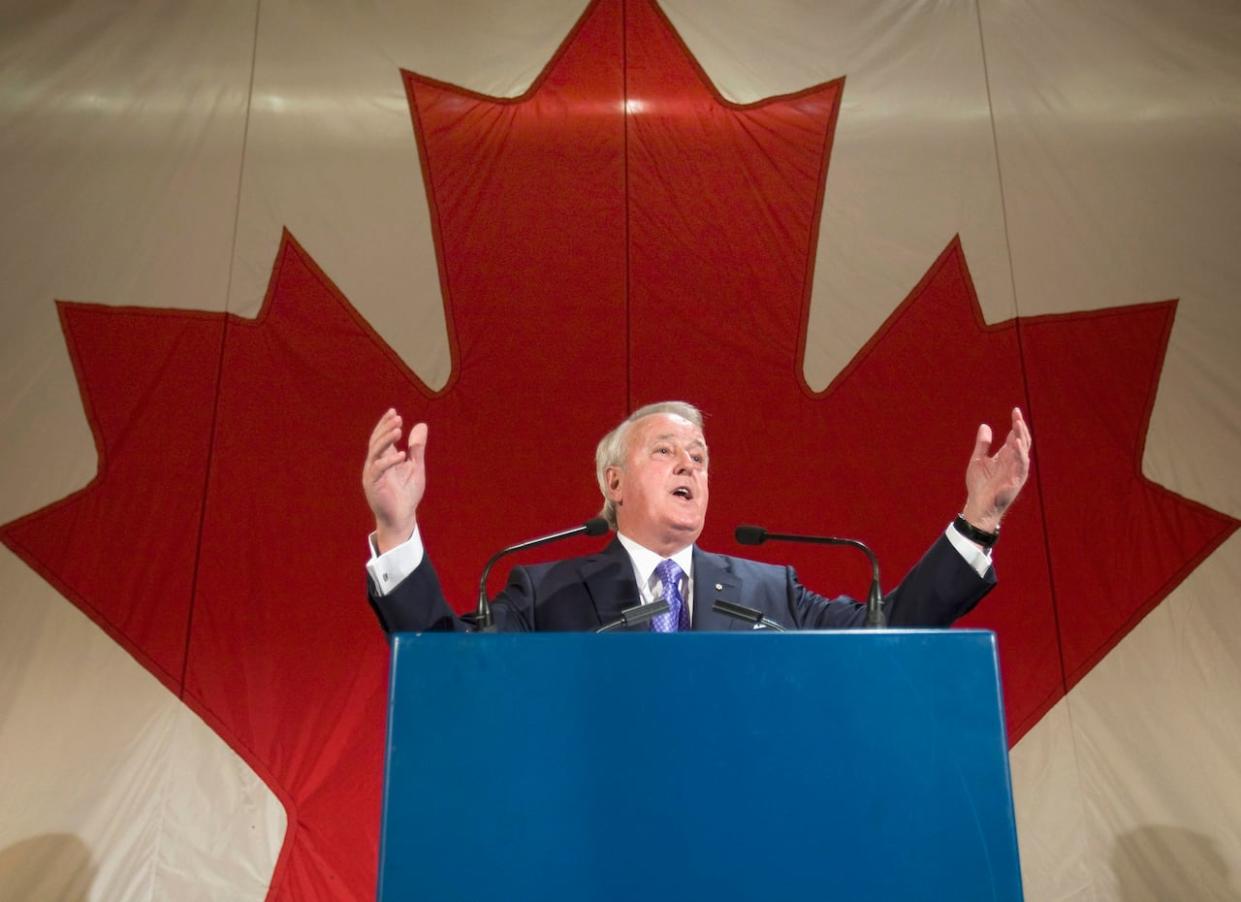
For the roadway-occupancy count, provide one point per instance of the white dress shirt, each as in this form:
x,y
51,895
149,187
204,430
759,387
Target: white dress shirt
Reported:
x,y
644,563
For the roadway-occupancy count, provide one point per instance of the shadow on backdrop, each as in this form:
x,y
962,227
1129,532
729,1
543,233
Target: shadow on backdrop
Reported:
x,y
1169,864
53,866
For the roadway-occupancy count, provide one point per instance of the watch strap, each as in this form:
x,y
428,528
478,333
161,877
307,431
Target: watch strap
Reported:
x,y
974,534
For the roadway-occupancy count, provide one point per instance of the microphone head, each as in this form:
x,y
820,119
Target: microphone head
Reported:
x,y
596,526
750,535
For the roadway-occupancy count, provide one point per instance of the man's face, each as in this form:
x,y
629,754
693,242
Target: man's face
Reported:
x,y
661,491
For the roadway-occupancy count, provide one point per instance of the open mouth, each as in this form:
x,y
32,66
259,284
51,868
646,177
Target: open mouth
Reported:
x,y
683,491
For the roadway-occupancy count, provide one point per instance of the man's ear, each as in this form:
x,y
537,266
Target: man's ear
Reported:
x,y
612,475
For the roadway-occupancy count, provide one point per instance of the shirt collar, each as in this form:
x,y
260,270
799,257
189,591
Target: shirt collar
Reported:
x,y
645,561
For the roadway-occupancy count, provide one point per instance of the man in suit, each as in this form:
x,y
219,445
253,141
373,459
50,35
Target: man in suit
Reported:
x,y
653,472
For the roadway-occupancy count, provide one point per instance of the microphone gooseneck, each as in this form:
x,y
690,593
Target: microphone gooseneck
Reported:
x,y
596,526
747,614
757,535
639,613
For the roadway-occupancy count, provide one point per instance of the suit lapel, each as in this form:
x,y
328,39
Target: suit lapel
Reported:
x,y
714,579
609,581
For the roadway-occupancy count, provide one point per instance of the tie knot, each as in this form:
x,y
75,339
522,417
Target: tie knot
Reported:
x,y
669,573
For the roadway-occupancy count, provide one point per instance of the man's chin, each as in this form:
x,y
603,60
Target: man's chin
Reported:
x,y
665,536
686,531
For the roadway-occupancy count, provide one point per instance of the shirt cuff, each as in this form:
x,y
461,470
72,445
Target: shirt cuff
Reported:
x,y
978,558
388,569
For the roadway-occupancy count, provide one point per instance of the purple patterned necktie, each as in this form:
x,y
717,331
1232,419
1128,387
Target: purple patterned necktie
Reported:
x,y
677,618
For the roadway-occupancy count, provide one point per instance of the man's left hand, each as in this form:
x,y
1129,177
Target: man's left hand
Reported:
x,y
993,482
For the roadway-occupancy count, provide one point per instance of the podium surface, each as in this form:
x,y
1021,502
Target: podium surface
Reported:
x,y
848,766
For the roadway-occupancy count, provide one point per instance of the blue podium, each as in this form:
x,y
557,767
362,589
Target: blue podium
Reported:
x,y
847,766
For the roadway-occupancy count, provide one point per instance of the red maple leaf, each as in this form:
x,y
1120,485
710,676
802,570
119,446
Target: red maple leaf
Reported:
x,y
591,261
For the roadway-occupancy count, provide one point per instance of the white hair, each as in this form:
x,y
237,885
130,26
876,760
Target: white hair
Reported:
x,y
612,447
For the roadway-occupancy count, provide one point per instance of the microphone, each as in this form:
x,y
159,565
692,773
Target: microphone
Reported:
x,y
482,616
639,613
756,535
749,615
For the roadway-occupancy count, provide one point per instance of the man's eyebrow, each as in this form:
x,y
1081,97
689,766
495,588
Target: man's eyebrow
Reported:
x,y
672,436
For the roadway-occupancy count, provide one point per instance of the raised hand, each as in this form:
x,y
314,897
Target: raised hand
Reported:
x,y
394,480
993,482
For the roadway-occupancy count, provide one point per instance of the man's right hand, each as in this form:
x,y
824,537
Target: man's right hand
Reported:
x,y
394,480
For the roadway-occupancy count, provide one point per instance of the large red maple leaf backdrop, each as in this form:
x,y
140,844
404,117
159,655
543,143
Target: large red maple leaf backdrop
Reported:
x,y
618,233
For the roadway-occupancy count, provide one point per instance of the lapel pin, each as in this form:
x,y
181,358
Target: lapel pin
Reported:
x,y
718,587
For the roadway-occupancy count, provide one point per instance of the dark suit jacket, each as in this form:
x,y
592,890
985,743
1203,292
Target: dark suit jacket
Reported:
x,y
583,593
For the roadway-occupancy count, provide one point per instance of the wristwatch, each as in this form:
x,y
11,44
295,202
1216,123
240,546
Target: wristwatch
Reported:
x,y
974,534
